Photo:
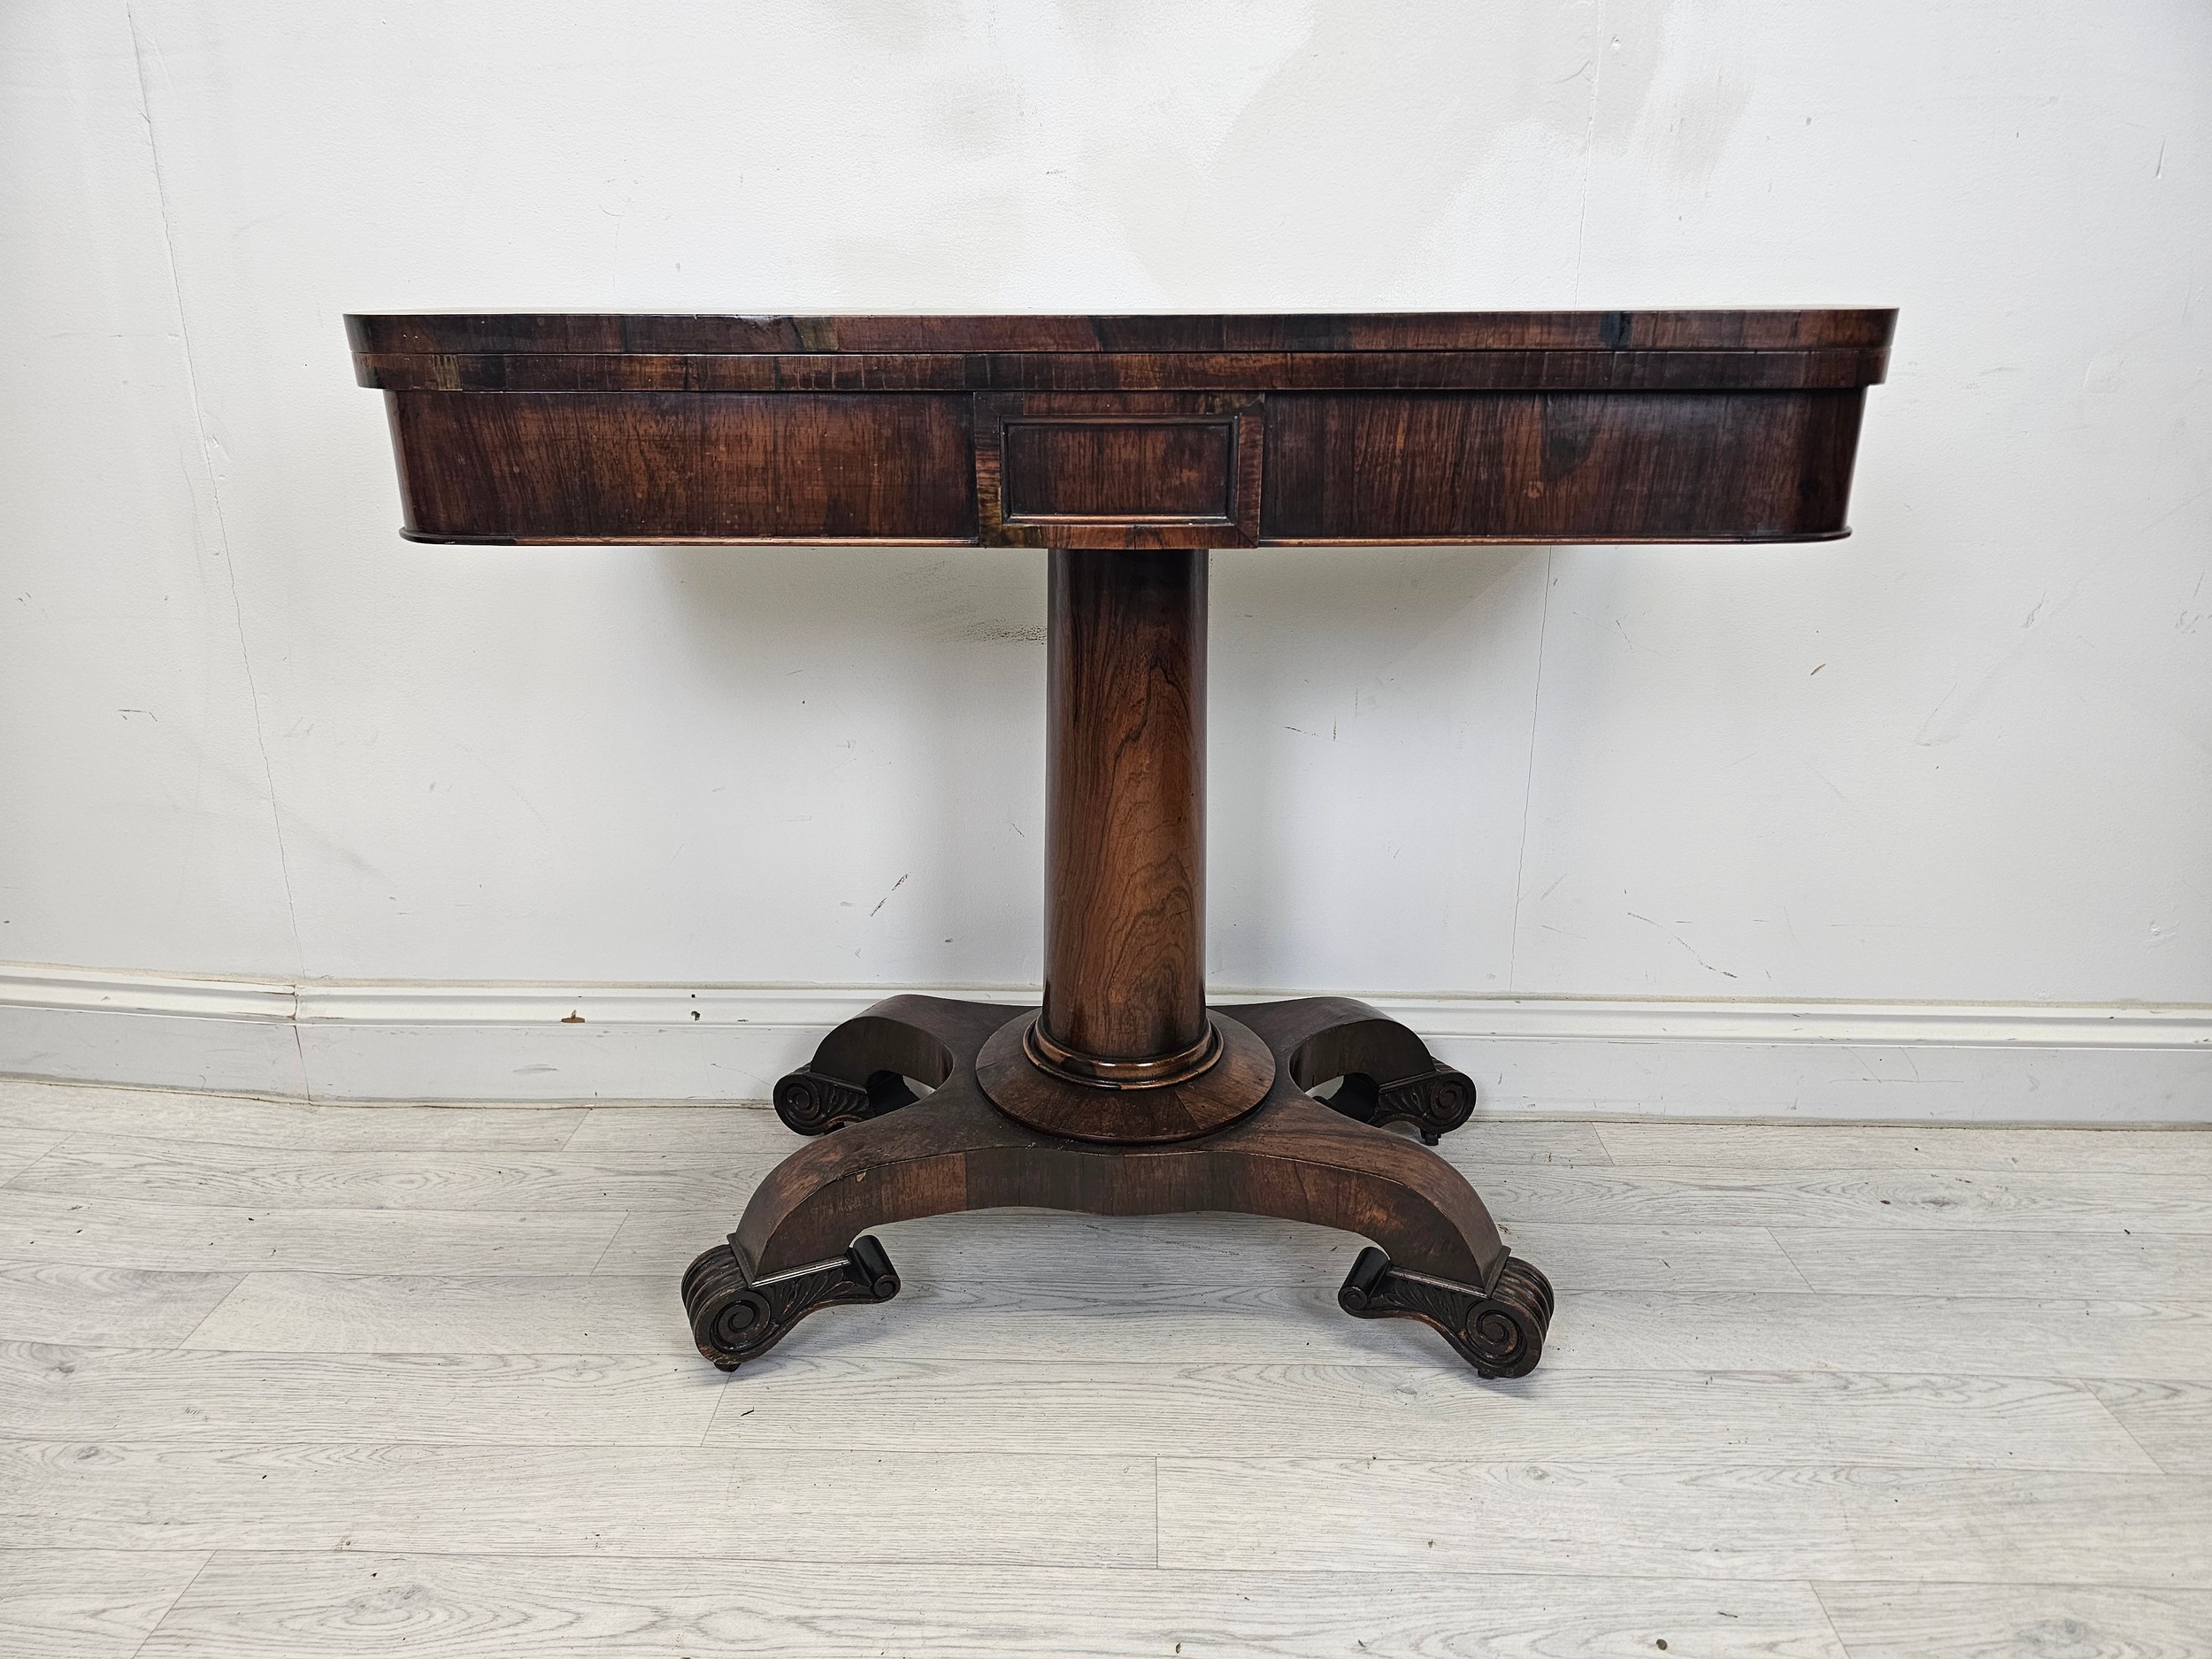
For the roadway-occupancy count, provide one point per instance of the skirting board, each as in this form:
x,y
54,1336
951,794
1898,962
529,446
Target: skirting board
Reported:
x,y
1529,1055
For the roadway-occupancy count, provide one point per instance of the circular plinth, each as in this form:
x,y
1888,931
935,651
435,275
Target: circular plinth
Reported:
x,y
1230,1087
1049,1056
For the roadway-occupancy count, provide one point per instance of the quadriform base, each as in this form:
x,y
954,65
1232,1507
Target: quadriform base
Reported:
x,y
881,1154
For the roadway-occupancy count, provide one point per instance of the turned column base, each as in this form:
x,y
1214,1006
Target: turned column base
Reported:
x,y
1010,1074
801,1244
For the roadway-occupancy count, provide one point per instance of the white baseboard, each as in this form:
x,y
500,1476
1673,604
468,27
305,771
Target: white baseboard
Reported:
x,y
1548,1055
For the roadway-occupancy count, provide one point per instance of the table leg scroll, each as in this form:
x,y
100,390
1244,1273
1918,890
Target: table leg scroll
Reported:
x,y
1499,1332
862,1068
1389,1076
736,1317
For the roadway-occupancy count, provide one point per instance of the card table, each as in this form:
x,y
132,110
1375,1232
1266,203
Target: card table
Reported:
x,y
1125,448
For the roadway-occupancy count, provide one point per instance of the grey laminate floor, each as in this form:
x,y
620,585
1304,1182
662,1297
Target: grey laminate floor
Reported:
x,y
288,1380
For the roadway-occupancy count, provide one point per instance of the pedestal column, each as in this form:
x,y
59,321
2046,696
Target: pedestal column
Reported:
x,y
1124,1001
1124,1048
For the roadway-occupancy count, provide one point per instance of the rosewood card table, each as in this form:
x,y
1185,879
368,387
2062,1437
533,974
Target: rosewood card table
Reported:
x,y
1127,446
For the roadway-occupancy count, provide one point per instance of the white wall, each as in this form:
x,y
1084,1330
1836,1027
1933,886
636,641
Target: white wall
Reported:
x,y
1963,757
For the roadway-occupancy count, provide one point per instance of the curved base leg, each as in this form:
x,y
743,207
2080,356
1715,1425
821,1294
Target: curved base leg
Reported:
x,y
799,1245
1389,1074
860,1069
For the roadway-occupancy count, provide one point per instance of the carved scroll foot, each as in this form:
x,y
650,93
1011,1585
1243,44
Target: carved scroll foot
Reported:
x,y
813,1103
1390,1075
1435,1103
1501,1334
862,1069
735,1317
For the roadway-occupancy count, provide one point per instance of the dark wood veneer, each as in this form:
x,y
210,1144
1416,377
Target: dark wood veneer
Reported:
x,y
1065,470
1560,466
532,466
419,332
1123,371
1145,469
1125,802
1128,446
1597,426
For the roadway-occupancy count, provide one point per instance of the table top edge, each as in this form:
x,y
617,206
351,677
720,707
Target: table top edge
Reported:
x,y
442,332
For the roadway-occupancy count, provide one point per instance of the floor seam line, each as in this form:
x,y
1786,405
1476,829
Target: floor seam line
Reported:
x,y
1774,1237
622,1220
221,1302
2088,1385
154,1629
1827,1617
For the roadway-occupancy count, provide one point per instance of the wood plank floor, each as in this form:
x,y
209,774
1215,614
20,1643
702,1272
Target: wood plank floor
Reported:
x,y
318,1381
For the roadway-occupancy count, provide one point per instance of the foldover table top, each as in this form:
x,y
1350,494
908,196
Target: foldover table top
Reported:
x,y
1171,431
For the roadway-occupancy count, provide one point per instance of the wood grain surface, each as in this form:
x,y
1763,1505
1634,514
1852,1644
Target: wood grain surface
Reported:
x,y
1997,1621
1090,1437
444,1606
652,465
1125,802
1470,427
600,333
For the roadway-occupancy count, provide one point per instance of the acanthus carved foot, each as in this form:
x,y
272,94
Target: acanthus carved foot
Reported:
x,y
1434,1103
1389,1076
813,1103
871,1063
1500,1333
735,1319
